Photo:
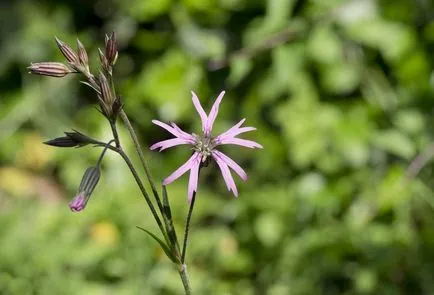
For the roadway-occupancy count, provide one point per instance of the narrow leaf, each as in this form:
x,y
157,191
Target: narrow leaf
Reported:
x,y
167,214
162,244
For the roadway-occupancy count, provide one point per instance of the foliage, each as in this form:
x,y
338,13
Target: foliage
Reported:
x,y
341,93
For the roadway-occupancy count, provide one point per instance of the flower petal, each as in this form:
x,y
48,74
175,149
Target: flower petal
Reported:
x,y
233,128
162,145
231,163
233,131
78,203
194,177
241,130
182,133
200,110
227,176
165,126
213,113
181,170
241,142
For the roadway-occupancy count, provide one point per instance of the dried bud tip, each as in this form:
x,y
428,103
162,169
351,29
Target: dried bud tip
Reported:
x,y
52,69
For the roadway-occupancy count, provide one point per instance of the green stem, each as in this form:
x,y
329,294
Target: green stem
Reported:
x,y
184,277
142,157
103,152
187,227
115,134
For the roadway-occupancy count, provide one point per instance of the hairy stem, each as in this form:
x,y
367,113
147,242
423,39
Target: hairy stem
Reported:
x,y
142,157
184,277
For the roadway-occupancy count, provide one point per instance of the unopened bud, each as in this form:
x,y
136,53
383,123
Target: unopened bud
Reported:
x,y
78,203
53,69
82,55
88,183
103,59
111,49
67,52
72,139
106,94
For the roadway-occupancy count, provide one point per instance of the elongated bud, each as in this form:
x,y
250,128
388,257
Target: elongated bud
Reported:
x,y
67,52
72,139
103,59
82,55
88,183
111,49
106,91
52,69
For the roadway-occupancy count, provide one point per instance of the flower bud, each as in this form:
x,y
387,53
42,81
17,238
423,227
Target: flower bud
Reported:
x,y
78,203
67,52
111,49
88,183
103,59
82,56
53,69
72,139
107,98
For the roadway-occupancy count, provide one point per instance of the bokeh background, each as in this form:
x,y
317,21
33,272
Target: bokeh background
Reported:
x,y
341,93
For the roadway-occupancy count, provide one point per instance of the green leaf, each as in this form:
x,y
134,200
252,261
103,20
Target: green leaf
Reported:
x,y
162,244
167,215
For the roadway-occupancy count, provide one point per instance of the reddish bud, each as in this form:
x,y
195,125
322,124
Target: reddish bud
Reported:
x,y
67,52
111,49
103,59
82,55
106,92
53,69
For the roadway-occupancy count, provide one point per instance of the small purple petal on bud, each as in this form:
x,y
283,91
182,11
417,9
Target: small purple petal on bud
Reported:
x,y
88,183
52,69
78,203
68,52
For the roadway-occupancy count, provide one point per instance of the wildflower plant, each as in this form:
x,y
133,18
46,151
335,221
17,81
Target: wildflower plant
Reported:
x,y
204,146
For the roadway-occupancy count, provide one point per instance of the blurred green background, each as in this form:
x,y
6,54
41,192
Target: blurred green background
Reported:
x,y
341,93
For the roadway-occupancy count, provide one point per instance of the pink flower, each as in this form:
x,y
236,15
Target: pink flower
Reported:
x,y
204,147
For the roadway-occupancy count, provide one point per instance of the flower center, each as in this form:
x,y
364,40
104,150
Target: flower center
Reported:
x,y
204,145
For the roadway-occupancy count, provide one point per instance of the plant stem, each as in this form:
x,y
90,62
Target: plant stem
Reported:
x,y
103,153
115,134
184,277
142,157
187,228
